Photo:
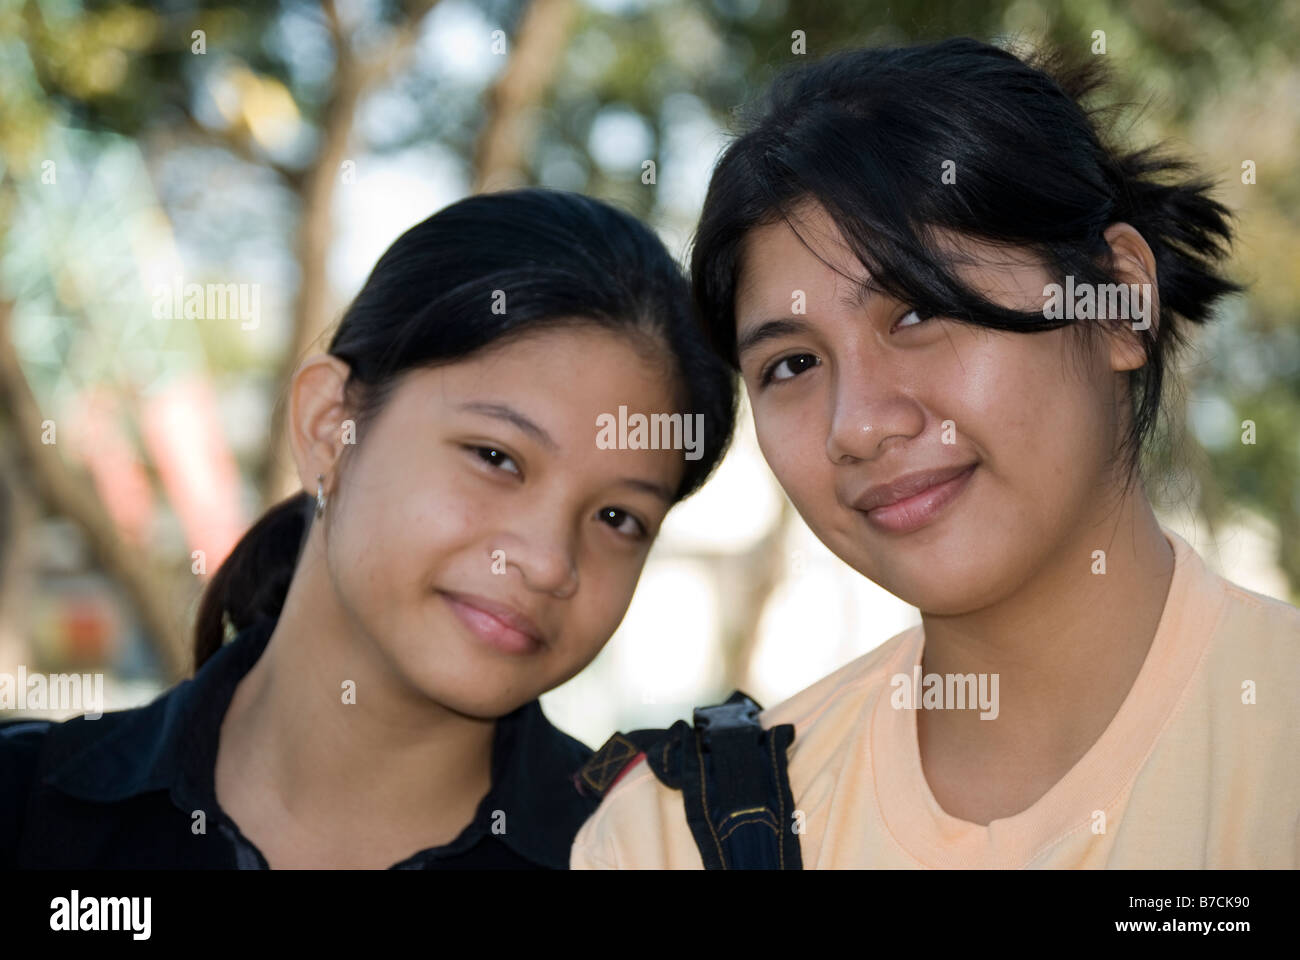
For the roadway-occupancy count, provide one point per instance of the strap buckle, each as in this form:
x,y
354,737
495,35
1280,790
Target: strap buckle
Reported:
x,y
739,713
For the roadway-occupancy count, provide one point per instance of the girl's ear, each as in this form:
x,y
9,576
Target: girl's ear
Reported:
x,y
316,415
1133,264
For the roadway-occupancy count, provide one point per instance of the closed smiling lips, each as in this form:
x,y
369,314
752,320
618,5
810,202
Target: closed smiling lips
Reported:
x,y
497,624
912,500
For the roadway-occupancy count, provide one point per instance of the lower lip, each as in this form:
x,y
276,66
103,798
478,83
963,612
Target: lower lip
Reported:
x,y
492,631
919,509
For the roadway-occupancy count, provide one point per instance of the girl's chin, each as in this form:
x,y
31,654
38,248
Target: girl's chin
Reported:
x,y
467,685
488,704
935,587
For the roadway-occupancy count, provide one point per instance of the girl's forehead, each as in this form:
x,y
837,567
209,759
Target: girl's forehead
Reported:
x,y
773,253
812,246
573,366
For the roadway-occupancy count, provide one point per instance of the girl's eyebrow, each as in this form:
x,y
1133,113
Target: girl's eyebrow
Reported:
x,y
788,326
863,290
502,411
647,486
769,330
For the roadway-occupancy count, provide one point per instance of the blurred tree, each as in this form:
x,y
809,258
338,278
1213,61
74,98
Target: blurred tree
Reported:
x,y
271,95
276,87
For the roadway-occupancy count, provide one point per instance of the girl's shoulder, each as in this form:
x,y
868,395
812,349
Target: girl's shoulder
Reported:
x,y
21,741
32,751
52,748
89,758
20,750
1264,608
1210,602
1257,632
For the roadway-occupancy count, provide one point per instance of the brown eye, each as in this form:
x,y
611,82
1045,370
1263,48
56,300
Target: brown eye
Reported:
x,y
919,316
496,458
794,364
620,520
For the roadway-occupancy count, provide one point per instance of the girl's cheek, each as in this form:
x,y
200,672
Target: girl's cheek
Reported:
x,y
610,594
1003,397
790,445
785,464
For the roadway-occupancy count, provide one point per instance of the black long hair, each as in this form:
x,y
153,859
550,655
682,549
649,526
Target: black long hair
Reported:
x,y
558,258
867,133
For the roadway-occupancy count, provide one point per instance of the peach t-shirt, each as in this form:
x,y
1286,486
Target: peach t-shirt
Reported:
x,y
1188,774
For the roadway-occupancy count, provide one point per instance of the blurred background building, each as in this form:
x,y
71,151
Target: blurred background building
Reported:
x,y
279,147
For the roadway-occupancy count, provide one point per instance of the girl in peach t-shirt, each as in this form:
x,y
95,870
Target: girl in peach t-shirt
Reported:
x,y
953,306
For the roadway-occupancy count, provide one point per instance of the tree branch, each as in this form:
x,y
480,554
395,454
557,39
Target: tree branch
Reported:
x,y
240,147
312,309
538,45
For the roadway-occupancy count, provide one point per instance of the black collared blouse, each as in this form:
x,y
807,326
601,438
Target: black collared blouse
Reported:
x,y
126,790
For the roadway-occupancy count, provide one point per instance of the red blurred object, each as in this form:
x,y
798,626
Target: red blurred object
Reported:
x,y
86,626
182,430
120,478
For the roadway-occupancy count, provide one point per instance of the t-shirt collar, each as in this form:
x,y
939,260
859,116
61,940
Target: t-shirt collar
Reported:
x,y
171,744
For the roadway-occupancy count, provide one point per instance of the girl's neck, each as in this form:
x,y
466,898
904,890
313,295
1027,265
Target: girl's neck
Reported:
x,y
392,769
1066,645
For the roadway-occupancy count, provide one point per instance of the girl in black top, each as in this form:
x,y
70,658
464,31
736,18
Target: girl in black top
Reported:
x,y
466,540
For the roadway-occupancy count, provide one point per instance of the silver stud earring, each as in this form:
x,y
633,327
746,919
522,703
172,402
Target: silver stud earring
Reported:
x,y
228,631
320,494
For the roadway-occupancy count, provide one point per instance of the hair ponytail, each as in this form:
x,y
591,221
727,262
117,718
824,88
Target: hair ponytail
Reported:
x,y
1190,234
1161,195
253,580
1188,231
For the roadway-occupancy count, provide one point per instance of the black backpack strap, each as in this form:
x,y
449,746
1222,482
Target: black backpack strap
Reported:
x,y
734,779
602,770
